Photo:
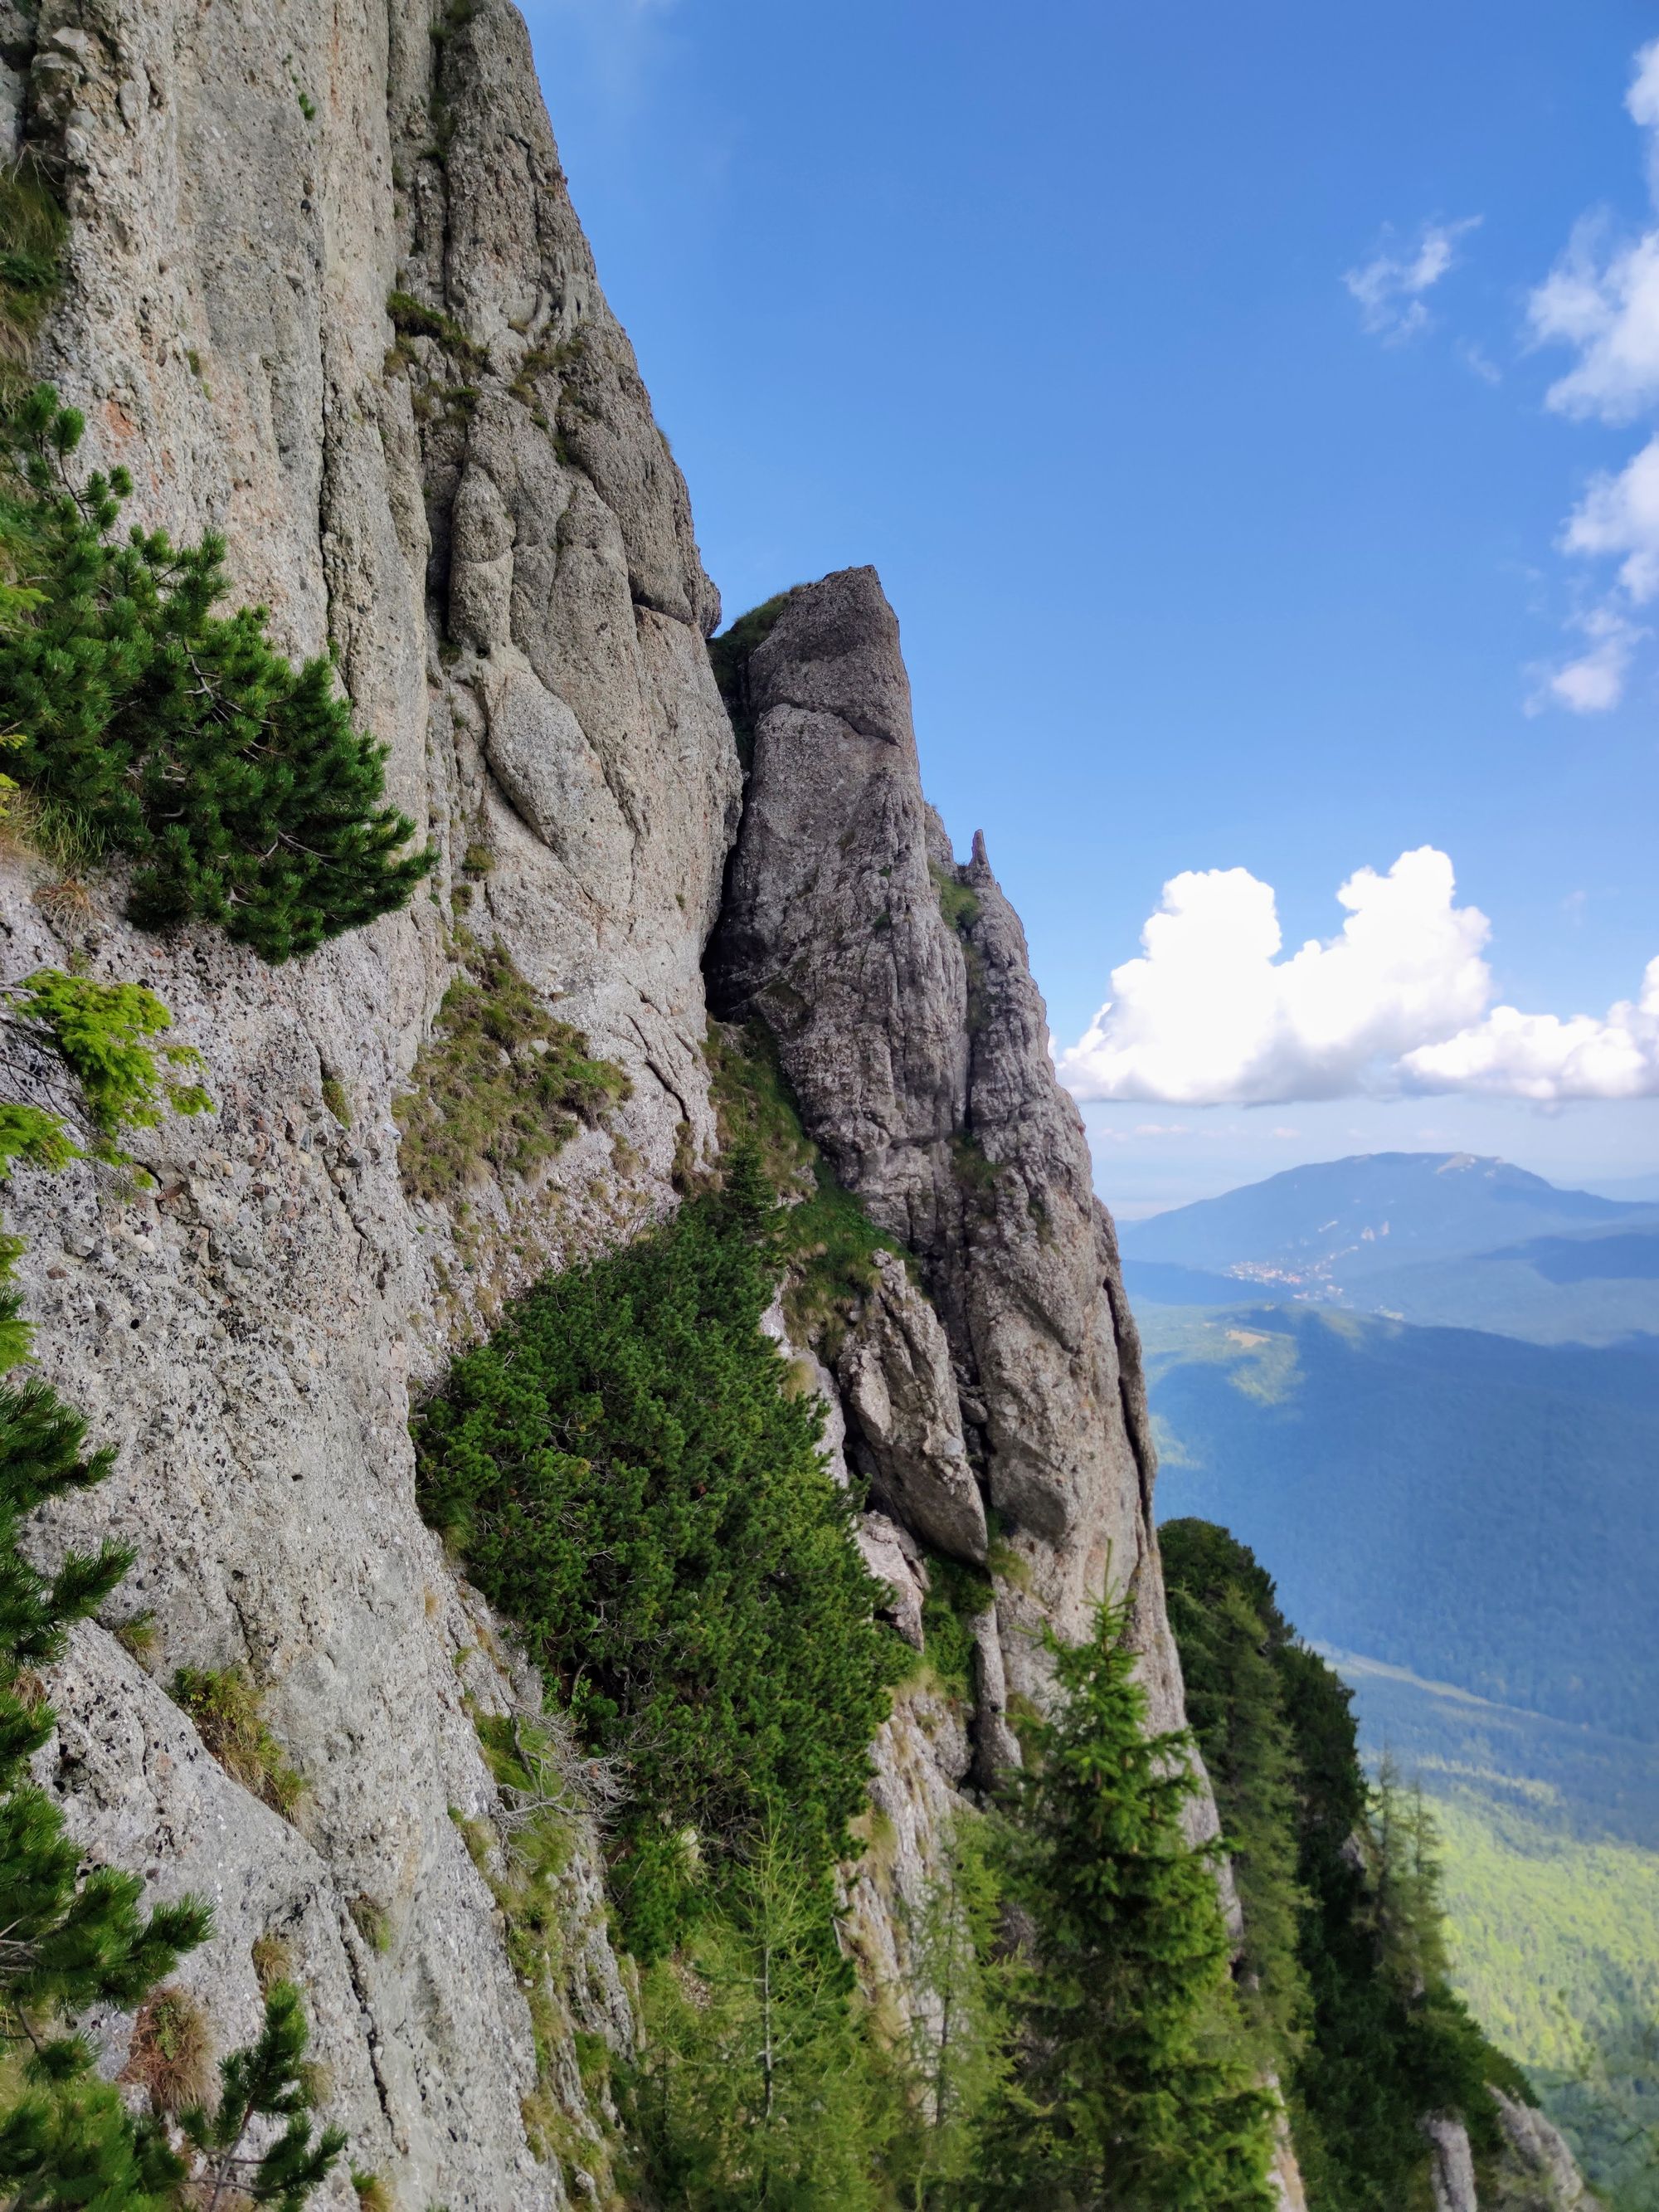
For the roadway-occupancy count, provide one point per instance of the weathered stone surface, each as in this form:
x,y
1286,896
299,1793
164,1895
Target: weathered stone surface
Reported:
x,y
890,1554
894,1370
1453,2172
921,1759
898,989
524,632
472,506
1536,2172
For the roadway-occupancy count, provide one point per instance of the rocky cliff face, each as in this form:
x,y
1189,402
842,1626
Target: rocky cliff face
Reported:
x,y
896,985
498,548
326,293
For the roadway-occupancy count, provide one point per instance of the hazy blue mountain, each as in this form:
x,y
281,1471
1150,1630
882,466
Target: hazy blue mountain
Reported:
x,y
1322,1228
1477,1510
1597,1285
1442,1240
1644,1187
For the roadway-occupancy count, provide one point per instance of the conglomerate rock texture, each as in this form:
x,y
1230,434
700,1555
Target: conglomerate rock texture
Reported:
x,y
326,294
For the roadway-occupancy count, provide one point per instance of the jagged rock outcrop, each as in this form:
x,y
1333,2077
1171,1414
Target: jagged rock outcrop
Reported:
x,y
893,1373
1535,2169
897,987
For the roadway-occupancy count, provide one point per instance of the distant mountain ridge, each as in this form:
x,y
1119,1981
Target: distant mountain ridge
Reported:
x,y
1445,1240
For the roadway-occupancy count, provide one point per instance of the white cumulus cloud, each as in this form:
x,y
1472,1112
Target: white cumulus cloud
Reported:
x,y
1617,519
1401,999
1603,300
1389,287
1211,1015
1543,1057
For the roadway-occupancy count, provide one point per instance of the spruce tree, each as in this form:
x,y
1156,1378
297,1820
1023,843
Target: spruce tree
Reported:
x,y
1388,2040
1231,1633
1129,2096
756,2092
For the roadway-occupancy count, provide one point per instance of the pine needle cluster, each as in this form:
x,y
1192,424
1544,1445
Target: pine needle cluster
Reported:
x,y
626,1472
157,729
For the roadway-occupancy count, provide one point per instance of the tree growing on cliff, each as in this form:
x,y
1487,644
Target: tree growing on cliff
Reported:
x,y
1372,2036
756,2090
1129,2095
149,726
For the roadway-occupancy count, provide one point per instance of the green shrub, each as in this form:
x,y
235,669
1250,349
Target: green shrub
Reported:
x,y
499,1084
957,1597
100,1034
957,903
627,1476
33,230
413,318
237,783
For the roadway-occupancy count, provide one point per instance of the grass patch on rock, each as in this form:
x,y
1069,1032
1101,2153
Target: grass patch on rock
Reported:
x,y
499,1084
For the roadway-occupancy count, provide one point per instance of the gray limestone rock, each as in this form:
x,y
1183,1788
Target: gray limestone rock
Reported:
x,y
1537,2172
894,1370
890,1554
1453,2172
486,526
897,987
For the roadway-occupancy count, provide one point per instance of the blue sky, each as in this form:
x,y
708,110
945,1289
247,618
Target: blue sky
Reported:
x,y
1205,558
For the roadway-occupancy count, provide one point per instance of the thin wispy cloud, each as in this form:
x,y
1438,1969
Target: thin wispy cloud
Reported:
x,y
1391,288
1593,681
1601,301
1399,999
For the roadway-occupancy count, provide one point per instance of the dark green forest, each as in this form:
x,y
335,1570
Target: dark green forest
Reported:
x,y
1345,1971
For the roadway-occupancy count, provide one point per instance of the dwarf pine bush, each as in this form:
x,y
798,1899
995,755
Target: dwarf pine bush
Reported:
x,y
626,1473
237,783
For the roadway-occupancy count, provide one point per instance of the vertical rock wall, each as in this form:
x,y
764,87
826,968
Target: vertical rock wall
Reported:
x,y
326,294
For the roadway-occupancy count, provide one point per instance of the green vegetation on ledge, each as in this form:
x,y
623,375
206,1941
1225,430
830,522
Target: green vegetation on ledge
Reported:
x,y
500,1084
32,229
824,1241
729,653
626,1473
